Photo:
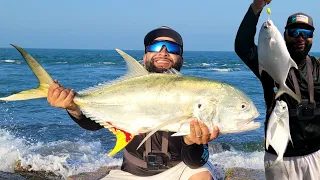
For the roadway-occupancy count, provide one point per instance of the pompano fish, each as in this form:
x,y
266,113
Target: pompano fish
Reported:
x,y
274,57
143,102
278,130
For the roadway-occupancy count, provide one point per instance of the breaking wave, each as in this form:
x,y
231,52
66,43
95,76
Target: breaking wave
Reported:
x,y
68,158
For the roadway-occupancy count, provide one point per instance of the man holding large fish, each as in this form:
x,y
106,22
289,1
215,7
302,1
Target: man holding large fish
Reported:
x,y
180,113
164,48
292,124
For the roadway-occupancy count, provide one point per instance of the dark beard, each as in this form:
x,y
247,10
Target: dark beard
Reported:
x,y
152,68
298,55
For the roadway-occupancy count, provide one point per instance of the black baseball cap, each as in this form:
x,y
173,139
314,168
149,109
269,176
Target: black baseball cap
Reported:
x,y
163,31
300,18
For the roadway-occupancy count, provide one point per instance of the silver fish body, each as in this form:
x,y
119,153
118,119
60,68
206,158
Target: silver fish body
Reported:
x,y
274,57
278,130
139,104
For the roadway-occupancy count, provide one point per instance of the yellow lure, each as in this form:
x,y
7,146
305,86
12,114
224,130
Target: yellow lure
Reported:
x,y
268,11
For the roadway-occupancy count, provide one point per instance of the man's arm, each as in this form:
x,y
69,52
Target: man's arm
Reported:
x,y
194,150
247,50
194,156
244,42
86,123
61,97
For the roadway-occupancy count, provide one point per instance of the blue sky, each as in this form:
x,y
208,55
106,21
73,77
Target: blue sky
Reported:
x,y
207,25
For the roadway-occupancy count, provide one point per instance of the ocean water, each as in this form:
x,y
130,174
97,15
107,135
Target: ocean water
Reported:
x,y
47,139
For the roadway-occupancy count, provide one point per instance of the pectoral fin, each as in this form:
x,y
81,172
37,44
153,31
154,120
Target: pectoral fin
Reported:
x,y
171,121
267,144
179,134
183,130
272,43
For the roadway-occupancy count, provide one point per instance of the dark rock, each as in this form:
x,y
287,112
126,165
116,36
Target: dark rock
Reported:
x,y
244,174
35,175
219,147
10,176
100,173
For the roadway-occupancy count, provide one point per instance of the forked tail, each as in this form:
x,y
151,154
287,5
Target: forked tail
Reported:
x,y
285,89
43,77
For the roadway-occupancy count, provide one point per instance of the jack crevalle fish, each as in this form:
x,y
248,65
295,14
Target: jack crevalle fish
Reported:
x,y
274,57
278,130
143,102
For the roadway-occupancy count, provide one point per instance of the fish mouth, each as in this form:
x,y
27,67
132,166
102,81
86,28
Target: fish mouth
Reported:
x,y
265,25
268,23
249,124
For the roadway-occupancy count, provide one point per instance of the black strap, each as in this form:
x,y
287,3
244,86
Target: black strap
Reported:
x,y
165,143
310,80
316,111
148,146
134,160
142,163
295,82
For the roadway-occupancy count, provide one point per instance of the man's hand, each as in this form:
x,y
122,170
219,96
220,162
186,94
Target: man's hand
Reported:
x,y
61,97
199,133
258,5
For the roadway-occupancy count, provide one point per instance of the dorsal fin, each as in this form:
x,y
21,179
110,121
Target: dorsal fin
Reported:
x,y
134,67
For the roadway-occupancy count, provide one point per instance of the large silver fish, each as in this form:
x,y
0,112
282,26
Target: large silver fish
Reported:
x,y
274,57
278,130
143,102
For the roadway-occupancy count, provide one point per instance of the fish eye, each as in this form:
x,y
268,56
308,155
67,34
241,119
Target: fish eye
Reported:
x,y
199,106
243,106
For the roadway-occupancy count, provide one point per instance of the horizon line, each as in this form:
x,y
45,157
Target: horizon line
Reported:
x,y
108,49
10,47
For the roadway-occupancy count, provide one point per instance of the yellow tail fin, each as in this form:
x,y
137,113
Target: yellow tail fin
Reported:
x,y
123,139
43,77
